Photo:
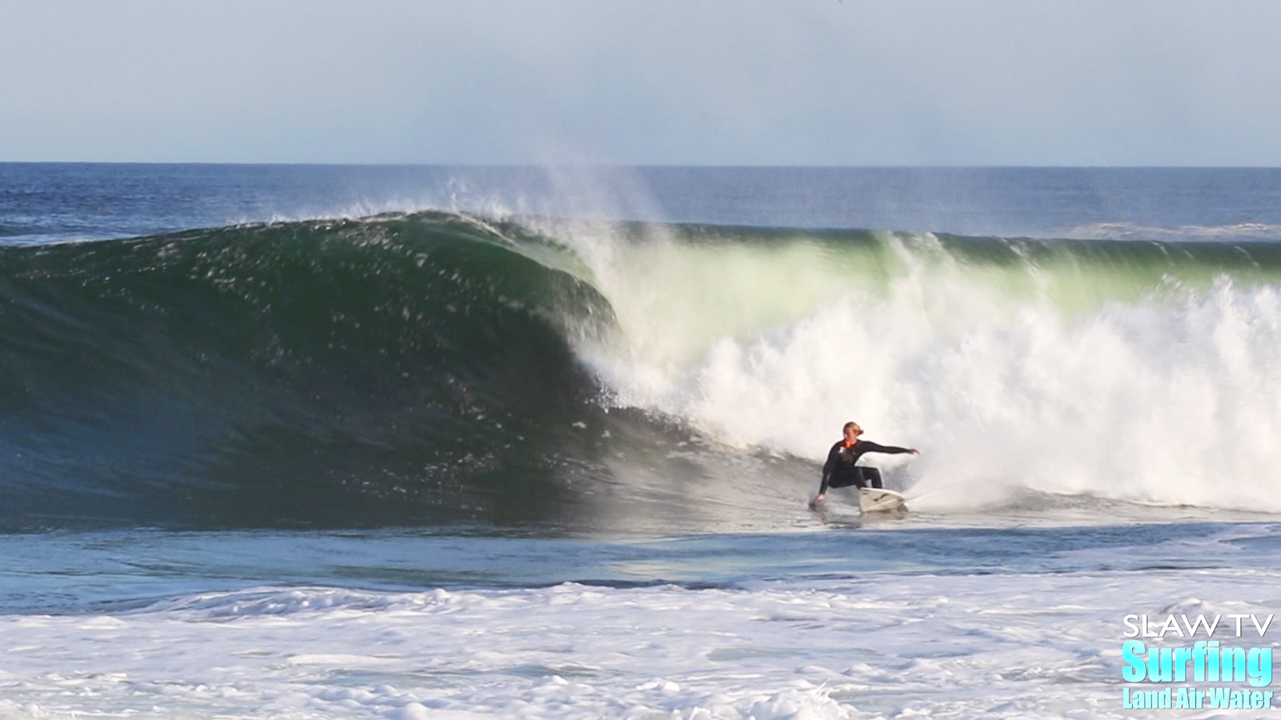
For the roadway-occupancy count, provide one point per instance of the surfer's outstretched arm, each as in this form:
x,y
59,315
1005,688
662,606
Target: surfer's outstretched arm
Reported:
x,y
868,446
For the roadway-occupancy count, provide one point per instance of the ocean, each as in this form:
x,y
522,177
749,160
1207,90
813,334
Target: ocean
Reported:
x,y
464,442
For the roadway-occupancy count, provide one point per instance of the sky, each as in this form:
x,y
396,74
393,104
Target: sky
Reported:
x,y
643,82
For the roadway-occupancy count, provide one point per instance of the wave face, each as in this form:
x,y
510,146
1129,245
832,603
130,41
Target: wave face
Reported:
x,y
439,368
385,370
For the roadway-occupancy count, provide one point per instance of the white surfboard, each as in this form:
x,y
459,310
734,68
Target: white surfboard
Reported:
x,y
877,500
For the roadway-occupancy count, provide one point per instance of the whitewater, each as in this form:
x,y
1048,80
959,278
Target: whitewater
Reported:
x,y
510,442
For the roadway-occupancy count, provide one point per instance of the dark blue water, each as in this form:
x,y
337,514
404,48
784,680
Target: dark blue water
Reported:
x,y
43,202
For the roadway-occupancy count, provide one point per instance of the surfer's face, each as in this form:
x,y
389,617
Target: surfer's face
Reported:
x,y
851,435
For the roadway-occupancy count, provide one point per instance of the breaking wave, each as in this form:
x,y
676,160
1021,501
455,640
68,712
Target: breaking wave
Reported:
x,y
444,368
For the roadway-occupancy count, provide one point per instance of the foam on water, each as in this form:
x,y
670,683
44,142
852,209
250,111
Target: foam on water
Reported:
x,y
1149,382
936,624
883,645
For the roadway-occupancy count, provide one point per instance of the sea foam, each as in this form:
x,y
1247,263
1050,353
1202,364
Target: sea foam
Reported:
x,y
1029,369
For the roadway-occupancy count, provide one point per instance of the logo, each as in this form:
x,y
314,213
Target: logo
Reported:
x,y
1224,670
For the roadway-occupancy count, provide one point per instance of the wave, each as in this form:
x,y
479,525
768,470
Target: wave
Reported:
x,y
316,372
1214,233
443,368
1133,372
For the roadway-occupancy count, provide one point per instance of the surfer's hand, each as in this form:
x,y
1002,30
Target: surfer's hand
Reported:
x,y
818,499
914,451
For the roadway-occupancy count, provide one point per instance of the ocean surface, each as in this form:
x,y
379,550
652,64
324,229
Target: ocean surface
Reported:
x,y
433,442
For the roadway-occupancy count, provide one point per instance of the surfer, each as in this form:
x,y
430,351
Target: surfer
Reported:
x,y
840,470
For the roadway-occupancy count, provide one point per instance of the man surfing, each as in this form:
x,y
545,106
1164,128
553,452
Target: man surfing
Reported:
x,y
840,470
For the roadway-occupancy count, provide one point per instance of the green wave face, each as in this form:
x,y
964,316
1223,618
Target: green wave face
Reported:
x,y
304,372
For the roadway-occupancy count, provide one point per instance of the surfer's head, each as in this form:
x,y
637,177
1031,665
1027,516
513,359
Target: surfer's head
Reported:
x,y
852,431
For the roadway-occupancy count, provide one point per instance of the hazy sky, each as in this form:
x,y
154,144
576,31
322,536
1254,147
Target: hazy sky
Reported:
x,y
725,82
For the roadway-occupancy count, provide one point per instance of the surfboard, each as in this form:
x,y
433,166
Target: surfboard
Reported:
x,y
878,500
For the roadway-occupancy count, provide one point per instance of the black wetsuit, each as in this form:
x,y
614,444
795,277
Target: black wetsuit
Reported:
x,y
840,470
